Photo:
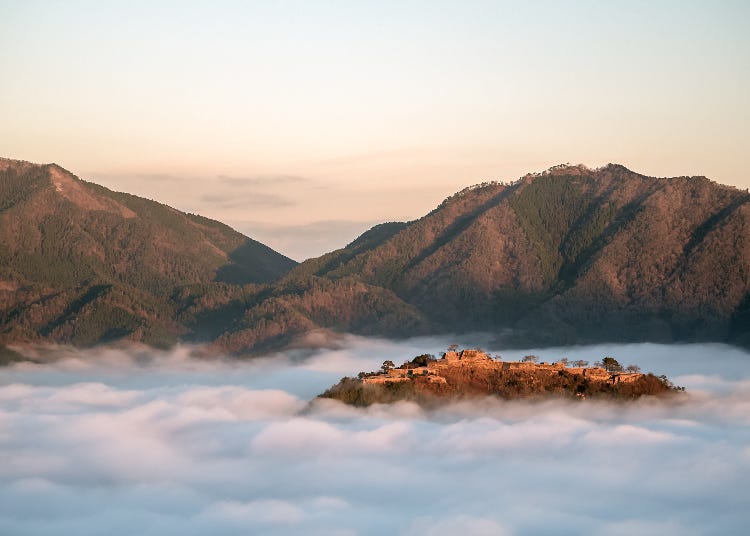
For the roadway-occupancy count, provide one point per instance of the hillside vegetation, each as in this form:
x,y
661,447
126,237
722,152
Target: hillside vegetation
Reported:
x,y
82,264
568,256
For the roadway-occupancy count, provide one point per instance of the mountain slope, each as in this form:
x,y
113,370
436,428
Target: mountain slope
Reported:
x,y
571,255
568,256
81,263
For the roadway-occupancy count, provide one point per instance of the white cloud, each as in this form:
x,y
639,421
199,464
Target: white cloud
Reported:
x,y
626,435
465,525
93,395
257,512
124,441
308,437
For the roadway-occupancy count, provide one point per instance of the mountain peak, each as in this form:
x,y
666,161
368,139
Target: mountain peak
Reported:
x,y
77,192
80,263
568,169
571,255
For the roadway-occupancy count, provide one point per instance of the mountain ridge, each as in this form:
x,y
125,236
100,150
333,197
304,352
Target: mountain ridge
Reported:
x,y
567,249
87,264
570,255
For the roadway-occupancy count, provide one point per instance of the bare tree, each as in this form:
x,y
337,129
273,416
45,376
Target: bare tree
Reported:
x,y
633,368
530,358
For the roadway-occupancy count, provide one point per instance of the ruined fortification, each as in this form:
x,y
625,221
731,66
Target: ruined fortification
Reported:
x,y
473,373
478,362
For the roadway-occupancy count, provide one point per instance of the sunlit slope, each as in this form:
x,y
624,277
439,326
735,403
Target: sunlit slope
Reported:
x,y
567,256
80,263
572,255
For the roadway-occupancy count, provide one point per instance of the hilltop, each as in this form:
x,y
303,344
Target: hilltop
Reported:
x,y
472,373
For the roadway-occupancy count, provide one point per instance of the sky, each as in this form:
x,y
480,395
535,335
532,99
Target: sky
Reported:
x,y
136,441
303,123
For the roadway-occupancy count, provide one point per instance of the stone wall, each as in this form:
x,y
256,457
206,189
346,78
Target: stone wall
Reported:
x,y
476,359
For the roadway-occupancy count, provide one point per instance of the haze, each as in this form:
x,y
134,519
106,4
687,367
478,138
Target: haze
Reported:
x,y
304,123
137,441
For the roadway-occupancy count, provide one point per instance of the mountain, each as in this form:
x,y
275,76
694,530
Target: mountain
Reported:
x,y
83,264
568,256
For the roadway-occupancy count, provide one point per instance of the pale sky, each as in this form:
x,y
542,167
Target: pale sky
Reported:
x,y
303,123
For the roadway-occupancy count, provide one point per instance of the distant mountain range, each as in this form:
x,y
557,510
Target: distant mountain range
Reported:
x,y
568,256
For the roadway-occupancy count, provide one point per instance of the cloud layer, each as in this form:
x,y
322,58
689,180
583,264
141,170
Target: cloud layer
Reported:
x,y
141,442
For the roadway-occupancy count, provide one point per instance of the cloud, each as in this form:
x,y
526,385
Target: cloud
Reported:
x,y
466,525
626,435
307,437
241,404
257,512
233,199
91,395
263,180
255,191
132,440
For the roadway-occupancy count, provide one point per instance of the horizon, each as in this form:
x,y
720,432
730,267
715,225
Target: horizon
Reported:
x,y
302,125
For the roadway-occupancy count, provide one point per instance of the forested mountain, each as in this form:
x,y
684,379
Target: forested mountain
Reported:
x,y
571,255
80,263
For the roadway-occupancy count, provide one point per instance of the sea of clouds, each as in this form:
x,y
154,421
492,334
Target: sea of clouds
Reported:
x,y
134,441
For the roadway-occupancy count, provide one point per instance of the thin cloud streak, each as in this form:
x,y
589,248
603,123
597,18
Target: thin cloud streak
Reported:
x,y
230,200
262,180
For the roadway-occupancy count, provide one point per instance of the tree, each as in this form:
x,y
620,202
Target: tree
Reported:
x,y
610,364
580,363
387,365
422,360
530,358
453,348
633,368
564,361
